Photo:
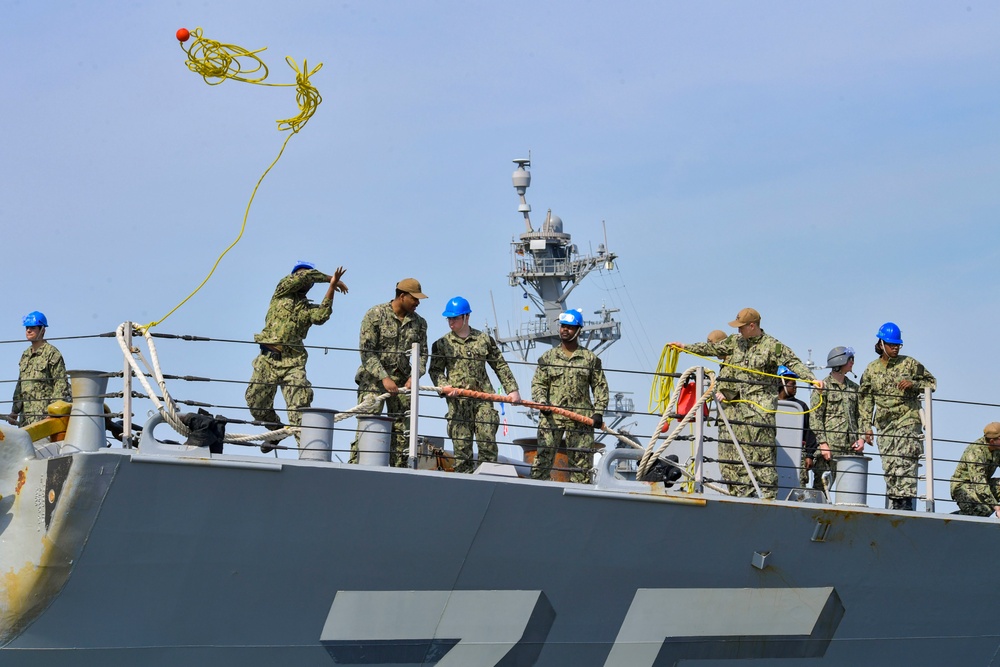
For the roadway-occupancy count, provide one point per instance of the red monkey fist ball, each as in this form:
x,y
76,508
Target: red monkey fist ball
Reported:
x,y
183,34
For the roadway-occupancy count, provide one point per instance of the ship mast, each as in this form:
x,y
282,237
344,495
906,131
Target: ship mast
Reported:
x,y
548,267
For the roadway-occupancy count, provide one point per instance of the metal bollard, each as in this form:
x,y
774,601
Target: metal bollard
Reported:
x,y
316,434
85,432
851,487
374,440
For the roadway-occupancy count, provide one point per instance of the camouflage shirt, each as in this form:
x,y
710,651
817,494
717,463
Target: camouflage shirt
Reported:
x,y
566,382
42,380
290,314
461,362
880,394
385,345
835,417
760,353
974,471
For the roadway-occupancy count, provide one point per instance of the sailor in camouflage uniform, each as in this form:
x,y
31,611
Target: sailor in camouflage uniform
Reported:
x,y
973,486
891,387
42,379
458,359
835,414
388,331
752,359
282,358
565,377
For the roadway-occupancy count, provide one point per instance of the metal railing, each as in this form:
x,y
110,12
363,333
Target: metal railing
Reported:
x,y
225,396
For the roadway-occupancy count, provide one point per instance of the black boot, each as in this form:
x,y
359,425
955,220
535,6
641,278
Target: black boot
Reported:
x,y
269,443
905,504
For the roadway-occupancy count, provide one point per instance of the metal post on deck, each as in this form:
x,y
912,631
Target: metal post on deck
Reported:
x,y
928,451
699,433
414,400
127,393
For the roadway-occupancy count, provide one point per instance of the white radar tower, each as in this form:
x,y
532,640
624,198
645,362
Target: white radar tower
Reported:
x,y
548,267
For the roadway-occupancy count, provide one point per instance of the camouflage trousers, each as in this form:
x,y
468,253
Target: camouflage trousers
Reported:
x,y
397,407
579,445
34,410
466,417
268,375
729,460
971,504
757,435
819,466
901,447
36,396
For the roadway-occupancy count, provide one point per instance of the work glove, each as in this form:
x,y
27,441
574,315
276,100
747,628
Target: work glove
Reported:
x,y
544,411
598,420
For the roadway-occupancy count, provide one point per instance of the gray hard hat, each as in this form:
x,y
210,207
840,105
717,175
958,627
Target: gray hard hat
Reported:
x,y
839,356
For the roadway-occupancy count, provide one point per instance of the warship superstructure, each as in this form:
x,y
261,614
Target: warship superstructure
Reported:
x,y
548,267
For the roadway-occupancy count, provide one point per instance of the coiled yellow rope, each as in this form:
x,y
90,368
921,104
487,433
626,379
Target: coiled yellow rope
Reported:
x,y
772,375
215,62
663,381
306,95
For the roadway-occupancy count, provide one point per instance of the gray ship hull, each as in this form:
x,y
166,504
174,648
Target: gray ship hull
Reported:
x,y
240,561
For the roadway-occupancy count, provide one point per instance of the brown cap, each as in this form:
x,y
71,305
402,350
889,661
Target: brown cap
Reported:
x,y
411,286
992,430
716,336
746,316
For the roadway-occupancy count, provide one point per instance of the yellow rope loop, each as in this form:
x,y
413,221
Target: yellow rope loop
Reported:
x,y
216,62
777,412
814,383
306,95
663,382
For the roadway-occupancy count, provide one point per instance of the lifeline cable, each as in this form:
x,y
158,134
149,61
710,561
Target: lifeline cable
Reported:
x,y
215,62
168,407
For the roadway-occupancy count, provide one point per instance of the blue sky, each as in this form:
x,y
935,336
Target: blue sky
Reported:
x,y
833,165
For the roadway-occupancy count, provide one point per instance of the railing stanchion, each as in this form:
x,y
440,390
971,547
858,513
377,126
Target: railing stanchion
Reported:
x,y
928,450
127,393
699,433
414,400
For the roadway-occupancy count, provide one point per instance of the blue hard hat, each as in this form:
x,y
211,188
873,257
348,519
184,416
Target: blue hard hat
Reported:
x,y
890,333
35,319
572,318
303,265
786,372
456,307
